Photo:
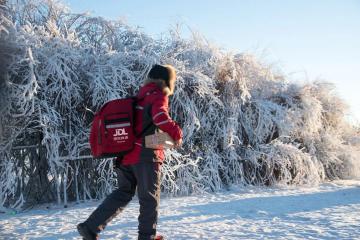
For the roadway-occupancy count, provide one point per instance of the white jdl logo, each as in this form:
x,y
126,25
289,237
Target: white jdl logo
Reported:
x,y
120,132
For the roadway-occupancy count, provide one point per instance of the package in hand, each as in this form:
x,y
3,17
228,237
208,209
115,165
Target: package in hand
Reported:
x,y
159,140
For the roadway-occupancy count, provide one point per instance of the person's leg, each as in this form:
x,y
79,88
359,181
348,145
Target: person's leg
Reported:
x,y
148,189
115,202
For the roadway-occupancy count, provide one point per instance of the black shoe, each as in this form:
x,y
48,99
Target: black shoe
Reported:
x,y
86,233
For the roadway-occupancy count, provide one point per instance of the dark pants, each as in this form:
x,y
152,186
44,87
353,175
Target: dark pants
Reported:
x,y
146,177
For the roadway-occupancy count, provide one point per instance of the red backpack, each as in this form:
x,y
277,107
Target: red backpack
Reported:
x,y
112,132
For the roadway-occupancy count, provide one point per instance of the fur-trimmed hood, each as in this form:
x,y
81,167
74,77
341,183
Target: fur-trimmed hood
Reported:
x,y
166,85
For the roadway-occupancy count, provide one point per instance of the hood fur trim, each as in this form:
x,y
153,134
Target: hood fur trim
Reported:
x,y
167,88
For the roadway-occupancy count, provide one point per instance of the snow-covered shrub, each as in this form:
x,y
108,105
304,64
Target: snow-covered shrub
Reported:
x,y
243,122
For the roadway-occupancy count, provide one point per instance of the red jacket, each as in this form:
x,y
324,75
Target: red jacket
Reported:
x,y
152,110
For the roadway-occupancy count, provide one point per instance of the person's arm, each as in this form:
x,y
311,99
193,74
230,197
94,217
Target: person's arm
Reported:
x,y
161,118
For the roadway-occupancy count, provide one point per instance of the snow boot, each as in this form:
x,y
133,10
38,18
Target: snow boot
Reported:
x,y
86,233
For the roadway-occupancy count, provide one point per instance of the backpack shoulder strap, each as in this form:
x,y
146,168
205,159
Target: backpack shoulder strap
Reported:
x,y
149,124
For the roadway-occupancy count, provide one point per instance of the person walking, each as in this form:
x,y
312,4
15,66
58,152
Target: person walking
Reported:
x,y
141,168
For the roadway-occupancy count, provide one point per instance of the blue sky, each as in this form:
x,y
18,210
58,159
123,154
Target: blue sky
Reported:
x,y
306,39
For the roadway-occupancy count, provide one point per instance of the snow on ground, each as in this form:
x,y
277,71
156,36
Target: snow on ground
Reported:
x,y
329,211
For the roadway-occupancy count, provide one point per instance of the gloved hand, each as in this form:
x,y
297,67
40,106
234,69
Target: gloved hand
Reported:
x,y
178,143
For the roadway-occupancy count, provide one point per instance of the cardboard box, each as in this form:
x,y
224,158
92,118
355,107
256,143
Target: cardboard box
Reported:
x,y
159,140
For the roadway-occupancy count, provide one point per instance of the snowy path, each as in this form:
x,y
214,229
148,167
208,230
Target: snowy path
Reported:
x,y
330,211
